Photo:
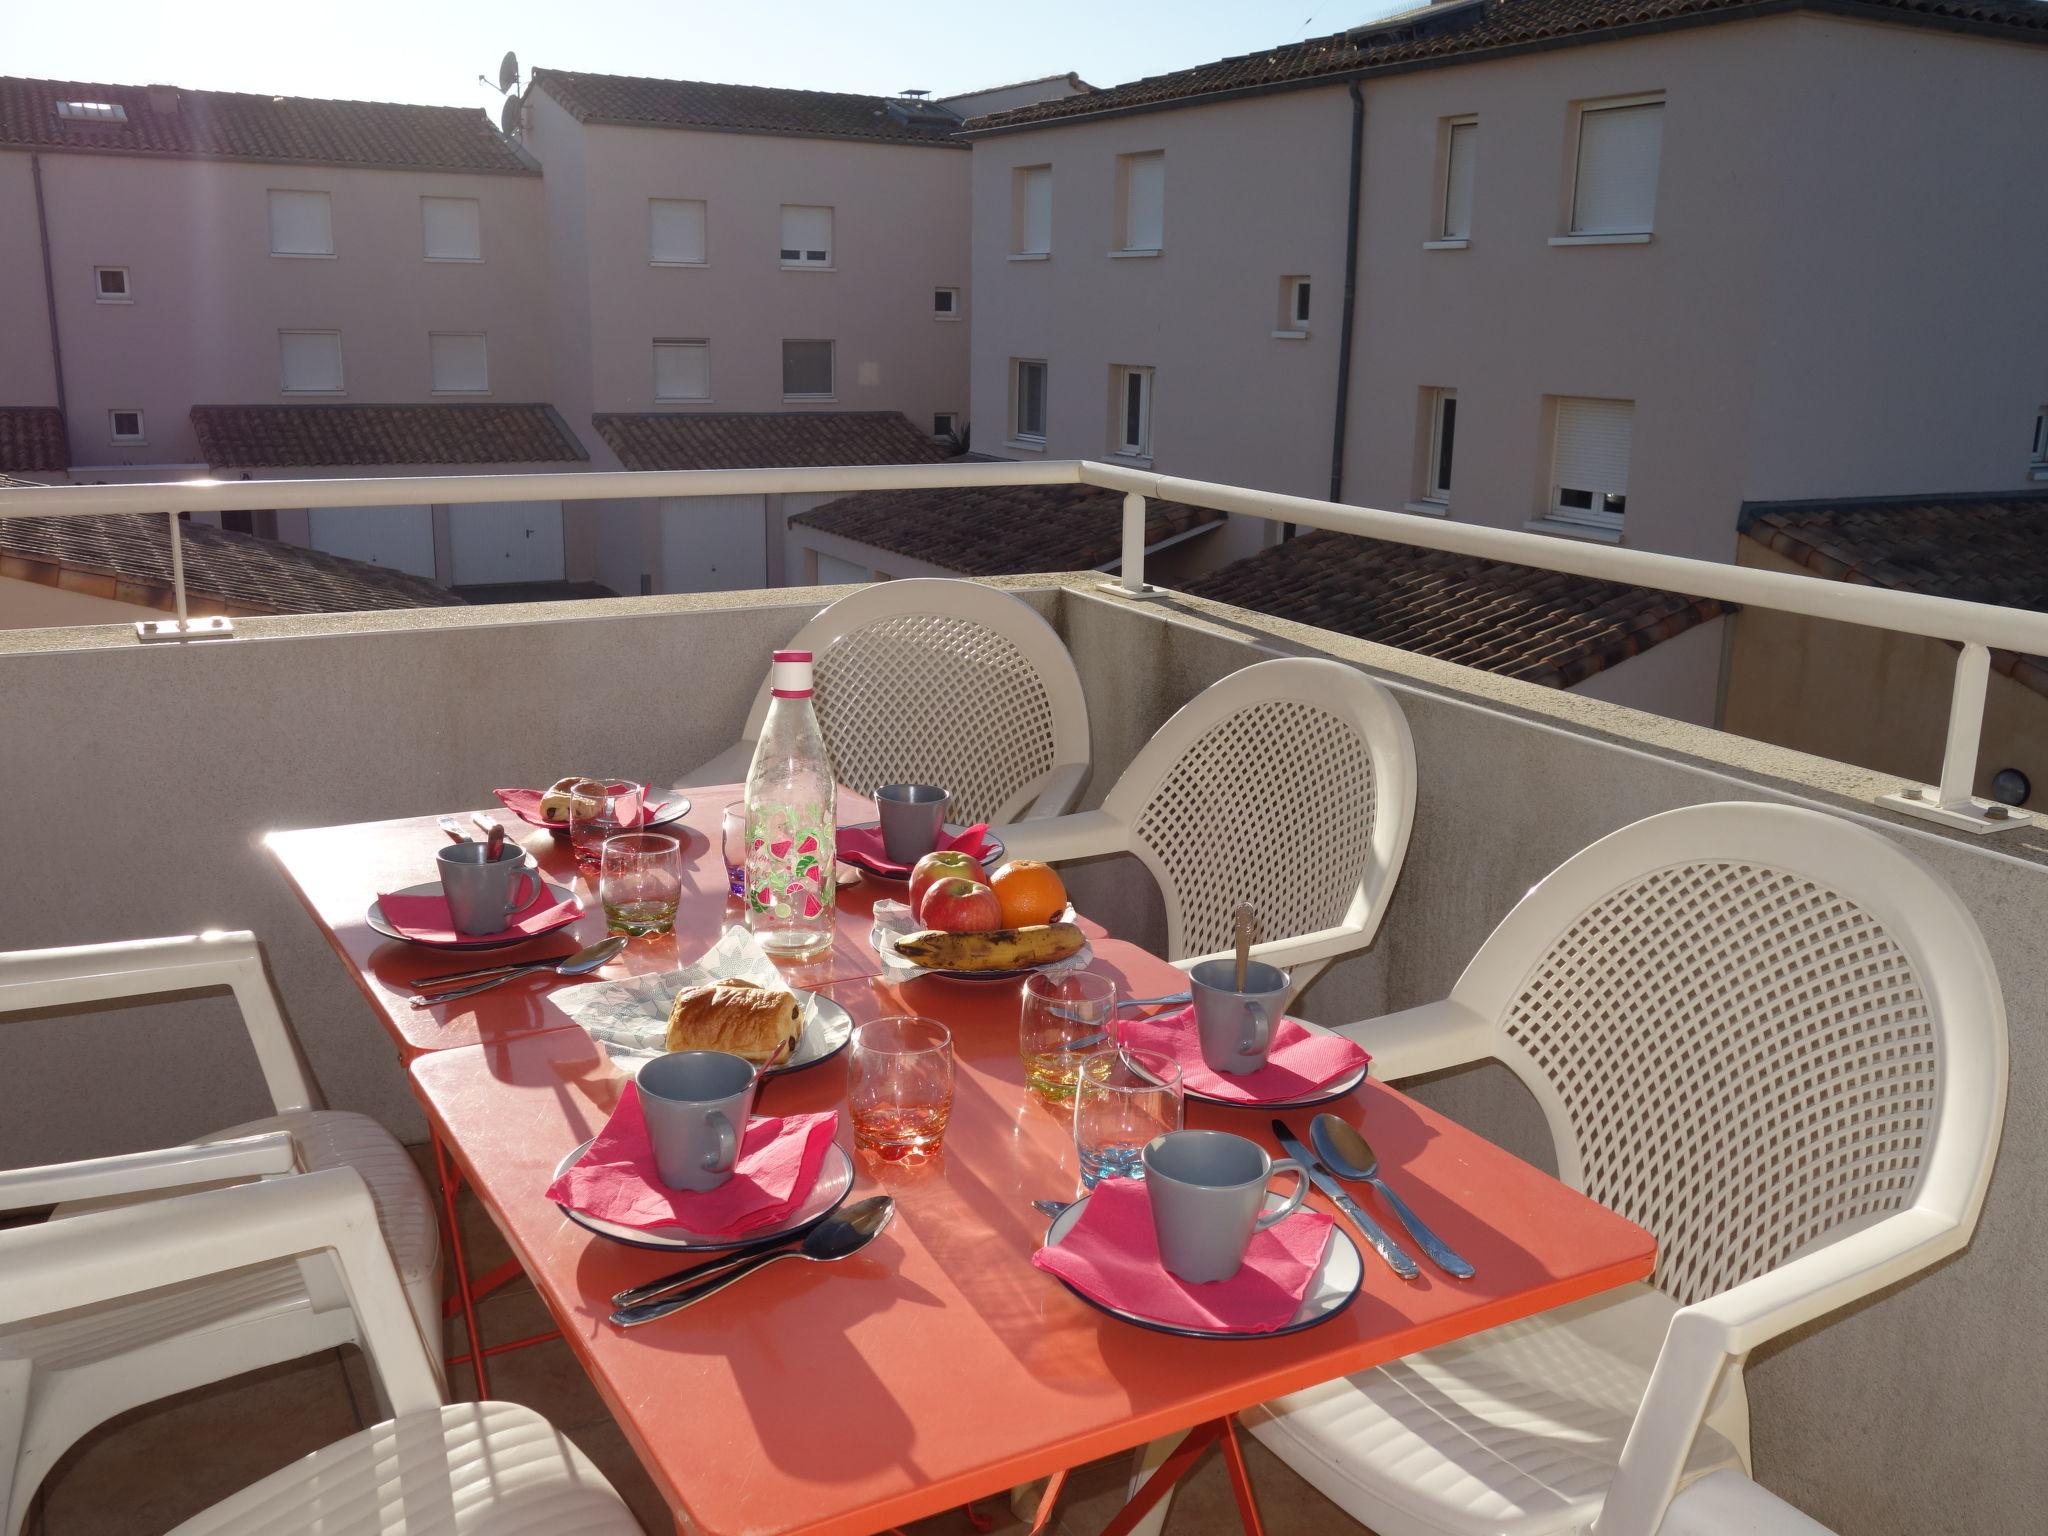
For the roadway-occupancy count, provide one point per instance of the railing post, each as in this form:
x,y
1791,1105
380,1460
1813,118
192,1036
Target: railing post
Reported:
x,y
219,628
1965,727
1134,544
178,569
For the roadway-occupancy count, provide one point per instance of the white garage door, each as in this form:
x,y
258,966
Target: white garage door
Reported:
x,y
492,542
713,543
834,572
400,538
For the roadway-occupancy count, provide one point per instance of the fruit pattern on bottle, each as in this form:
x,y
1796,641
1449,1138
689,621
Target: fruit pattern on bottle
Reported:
x,y
791,863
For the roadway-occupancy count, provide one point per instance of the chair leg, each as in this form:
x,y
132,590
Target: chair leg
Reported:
x,y
450,1181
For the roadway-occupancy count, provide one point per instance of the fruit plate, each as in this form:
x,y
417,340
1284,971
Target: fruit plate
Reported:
x,y
899,969
991,856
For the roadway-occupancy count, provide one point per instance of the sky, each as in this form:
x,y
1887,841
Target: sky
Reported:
x,y
433,50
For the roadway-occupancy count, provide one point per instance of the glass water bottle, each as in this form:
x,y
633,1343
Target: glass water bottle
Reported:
x,y
792,833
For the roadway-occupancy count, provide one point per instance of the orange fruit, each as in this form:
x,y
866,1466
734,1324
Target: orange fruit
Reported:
x,y
1029,892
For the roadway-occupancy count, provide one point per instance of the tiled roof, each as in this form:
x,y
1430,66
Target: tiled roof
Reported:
x,y
634,101
129,559
1541,626
1983,549
228,125
1003,530
336,436
32,438
765,439
1453,33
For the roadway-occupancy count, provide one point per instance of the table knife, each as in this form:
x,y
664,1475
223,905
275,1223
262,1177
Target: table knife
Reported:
x,y
1397,1259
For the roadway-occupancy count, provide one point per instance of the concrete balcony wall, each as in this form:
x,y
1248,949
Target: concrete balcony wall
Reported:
x,y
148,776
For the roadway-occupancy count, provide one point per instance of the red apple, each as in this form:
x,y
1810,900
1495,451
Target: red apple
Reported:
x,y
945,864
961,906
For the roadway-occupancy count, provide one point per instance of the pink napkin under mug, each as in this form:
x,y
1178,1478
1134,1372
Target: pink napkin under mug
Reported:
x,y
1300,1062
426,919
865,844
1112,1255
616,1181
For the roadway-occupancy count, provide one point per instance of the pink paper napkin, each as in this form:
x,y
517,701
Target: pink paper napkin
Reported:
x,y
1112,1254
616,1180
866,843
525,804
1299,1063
426,918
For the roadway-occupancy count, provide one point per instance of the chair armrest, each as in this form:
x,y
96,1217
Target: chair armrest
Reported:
x,y
1704,1338
86,973
1079,836
1431,1038
1057,794
1726,1503
1324,944
102,1256
135,1173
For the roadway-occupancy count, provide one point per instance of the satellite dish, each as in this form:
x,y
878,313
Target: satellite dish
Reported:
x,y
508,71
508,116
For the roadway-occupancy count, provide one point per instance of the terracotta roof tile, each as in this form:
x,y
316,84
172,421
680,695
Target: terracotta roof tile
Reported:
x,y
1541,626
638,102
1450,34
32,439
765,439
1982,549
1003,530
235,571
337,436
229,125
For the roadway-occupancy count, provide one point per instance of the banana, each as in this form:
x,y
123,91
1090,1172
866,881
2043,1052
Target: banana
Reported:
x,y
1003,949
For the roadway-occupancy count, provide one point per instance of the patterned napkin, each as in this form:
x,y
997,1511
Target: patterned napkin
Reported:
x,y
1300,1063
1112,1254
616,1180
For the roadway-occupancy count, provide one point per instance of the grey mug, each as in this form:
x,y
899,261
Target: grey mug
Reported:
x,y
483,895
912,816
1207,1190
696,1104
1236,1028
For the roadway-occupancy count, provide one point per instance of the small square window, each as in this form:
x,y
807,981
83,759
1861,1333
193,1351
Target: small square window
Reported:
x,y
1615,189
110,285
459,363
807,370
682,370
301,223
946,303
1293,316
311,362
946,424
453,228
676,232
1589,462
806,236
125,427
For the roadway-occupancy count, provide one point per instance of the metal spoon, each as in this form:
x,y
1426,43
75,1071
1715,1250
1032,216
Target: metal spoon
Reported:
x,y
1338,1143
582,963
838,1236
1089,1042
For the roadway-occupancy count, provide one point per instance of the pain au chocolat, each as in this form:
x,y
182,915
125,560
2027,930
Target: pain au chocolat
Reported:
x,y
760,1023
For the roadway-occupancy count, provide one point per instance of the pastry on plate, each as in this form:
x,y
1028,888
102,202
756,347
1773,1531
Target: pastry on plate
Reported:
x,y
760,1023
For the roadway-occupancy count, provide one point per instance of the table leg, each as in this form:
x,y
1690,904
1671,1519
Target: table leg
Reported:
x,y
1171,1471
1240,1481
451,1180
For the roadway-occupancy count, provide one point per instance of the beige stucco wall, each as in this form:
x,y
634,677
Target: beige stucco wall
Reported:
x,y
25,374
31,605
209,298
1869,696
899,230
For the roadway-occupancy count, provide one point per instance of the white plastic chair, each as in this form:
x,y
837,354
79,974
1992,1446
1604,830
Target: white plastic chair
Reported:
x,y
66,1375
1289,785
468,1469
1771,1037
934,681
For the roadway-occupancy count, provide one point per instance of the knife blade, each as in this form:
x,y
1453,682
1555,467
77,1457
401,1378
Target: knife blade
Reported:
x,y
1397,1258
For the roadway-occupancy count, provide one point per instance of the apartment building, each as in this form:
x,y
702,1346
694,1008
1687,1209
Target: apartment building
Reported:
x,y
1620,270
274,287
733,252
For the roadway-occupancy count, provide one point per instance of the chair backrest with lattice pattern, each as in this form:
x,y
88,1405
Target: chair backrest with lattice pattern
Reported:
x,y
1752,1028
933,681
1289,785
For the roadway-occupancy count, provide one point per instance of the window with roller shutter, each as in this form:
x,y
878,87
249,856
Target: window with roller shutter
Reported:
x,y
677,232
682,370
301,223
806,236
310,362
807,370
1615,188
1142,195
453,228
1031,211
460,362
1589,462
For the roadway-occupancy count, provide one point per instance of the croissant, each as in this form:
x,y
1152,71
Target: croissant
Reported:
x,y
759,1023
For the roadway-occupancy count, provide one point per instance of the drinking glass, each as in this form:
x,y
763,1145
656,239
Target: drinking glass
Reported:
x,y
899,1086
599,808
1065,1020
1122,1099
640,881
733,835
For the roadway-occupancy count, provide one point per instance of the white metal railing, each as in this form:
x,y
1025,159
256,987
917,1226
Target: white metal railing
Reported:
x,y
1976,627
